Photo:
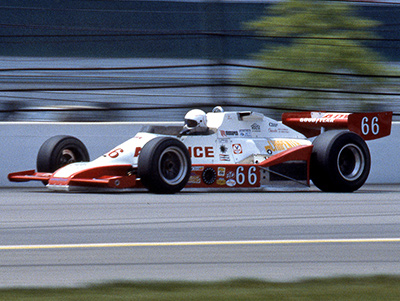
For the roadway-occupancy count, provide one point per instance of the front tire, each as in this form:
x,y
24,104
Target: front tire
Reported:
x,y
59,151
164,165
340,161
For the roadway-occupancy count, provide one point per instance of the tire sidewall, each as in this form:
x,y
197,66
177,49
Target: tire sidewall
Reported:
x,y
149,165
50,152
324,161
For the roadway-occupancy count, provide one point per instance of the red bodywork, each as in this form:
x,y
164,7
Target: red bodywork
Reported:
x,y
124,176
368,125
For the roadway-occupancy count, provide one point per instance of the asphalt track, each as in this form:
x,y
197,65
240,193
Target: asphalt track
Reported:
x,y
69,239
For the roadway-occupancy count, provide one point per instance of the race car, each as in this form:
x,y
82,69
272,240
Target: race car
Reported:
x,y
230,150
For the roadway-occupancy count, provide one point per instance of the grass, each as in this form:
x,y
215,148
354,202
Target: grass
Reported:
x,y
364,288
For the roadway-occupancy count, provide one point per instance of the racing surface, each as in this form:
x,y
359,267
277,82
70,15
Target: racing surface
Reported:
x,y
64,239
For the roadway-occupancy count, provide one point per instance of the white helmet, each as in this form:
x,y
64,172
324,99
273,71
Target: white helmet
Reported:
x,y
196,121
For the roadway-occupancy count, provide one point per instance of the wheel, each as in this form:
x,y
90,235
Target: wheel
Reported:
x,y
164,165
340,161
59,151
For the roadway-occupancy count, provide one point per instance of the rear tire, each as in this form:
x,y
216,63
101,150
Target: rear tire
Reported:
x,y
340,161
164,165
59,151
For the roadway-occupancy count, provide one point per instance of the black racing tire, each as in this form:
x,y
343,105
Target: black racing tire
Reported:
x,y
164,165
340,161
59,151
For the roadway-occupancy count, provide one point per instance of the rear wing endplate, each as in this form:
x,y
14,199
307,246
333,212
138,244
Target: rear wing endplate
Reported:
x,y
368,125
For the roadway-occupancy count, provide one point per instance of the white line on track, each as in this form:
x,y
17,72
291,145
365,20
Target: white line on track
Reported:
x,y
198,243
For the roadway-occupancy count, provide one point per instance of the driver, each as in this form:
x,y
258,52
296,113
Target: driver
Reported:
x,y
195,122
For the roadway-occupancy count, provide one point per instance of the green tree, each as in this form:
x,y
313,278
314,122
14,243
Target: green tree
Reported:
x,y
318,44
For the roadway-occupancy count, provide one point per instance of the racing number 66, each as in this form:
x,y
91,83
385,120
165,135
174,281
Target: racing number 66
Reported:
x,y
251,175
366,127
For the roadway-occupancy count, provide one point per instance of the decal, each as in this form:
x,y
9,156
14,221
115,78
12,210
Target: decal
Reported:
x,y
201,151
229,133
255,127
230,174
273,124
230,182
137,151
221,171
237,149
317,117
223,149
115,153
242,176
224,157
278,130
197,168
316,120
336,115
367,126
280,145
209,176
194,179
245,133
250,176
221,181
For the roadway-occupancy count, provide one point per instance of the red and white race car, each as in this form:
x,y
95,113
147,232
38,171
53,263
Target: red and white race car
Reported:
x,y
231,150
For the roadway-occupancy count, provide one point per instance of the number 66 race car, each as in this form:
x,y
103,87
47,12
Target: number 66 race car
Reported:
x,y
230,150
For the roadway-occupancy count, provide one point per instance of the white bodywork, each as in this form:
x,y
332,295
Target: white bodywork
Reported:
x,y
236,137
237,149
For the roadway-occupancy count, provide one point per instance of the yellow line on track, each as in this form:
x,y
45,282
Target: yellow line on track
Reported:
x,y
198,243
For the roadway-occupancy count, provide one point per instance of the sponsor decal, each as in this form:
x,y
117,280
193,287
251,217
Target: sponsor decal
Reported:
x,y
280,145
223,149
316,120
245,133
201,151
230,175
221,171
255,127
224,157
336,115
317,117
278,130
273,124
221,181
209,175
194,179
197,168
229,133
231,182
237,149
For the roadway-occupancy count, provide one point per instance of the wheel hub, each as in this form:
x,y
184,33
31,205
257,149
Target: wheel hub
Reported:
x,y
351,162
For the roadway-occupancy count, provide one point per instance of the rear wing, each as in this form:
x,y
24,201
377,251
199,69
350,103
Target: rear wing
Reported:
x,y
368,125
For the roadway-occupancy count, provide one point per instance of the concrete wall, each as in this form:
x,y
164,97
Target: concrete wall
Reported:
x,y
20,143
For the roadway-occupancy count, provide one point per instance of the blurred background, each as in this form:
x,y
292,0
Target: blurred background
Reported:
x,y
126,60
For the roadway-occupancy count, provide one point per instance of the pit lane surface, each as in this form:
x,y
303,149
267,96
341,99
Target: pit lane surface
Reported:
x,y
64,239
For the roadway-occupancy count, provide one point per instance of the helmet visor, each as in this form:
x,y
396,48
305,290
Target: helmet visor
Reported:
x,y
191,123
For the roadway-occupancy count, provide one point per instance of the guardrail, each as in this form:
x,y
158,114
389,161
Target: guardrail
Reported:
x,y
21,141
